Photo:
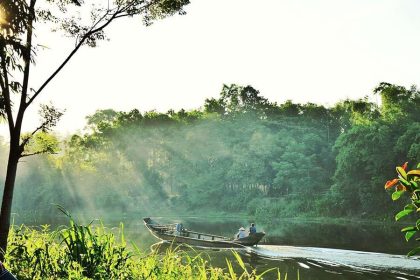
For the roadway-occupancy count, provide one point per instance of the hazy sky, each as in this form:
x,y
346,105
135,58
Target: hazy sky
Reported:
x,y
306,50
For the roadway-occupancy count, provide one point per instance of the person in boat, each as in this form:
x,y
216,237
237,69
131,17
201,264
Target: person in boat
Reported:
x,y
252,229
179,228
241,233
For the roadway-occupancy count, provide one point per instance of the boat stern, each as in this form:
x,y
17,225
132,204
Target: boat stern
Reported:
x,y
250,240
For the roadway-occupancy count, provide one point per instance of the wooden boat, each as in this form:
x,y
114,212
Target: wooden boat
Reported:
x,y
167,232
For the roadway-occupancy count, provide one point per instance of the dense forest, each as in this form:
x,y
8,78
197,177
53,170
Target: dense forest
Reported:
x,y
239,154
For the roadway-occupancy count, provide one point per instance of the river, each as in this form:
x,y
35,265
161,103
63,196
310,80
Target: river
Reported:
x,y
310,249
313,250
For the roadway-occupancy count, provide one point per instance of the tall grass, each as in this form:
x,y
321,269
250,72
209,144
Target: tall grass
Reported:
x,y
91,252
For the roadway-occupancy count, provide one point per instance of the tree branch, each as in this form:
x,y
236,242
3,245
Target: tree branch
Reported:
x,y
36,153
118,13
126,8
26,140
72,53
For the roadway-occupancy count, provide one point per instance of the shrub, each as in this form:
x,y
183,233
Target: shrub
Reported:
x,y
407,183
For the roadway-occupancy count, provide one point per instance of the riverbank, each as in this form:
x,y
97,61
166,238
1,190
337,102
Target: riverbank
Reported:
x,y
33,218
56,218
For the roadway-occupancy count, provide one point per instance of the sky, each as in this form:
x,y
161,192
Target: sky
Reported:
x,y
319,51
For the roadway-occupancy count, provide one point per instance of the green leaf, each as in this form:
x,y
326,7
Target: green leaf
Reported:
x,y
402,214
232,274
418,165
414,184
418,224
266,271
404,182
396,195
240,262
401,172
410,207
414,252
409,234
414,172
411,228
415,196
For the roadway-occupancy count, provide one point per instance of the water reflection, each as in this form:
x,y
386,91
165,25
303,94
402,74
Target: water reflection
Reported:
x,y
369,237
309,263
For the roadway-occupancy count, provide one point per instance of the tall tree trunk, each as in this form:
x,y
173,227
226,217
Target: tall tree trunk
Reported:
x,y
15,149
6,206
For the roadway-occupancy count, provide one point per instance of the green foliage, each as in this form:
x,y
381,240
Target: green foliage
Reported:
x,y
407,183
240,154
41,143
398,102
93,252
96,251
365,147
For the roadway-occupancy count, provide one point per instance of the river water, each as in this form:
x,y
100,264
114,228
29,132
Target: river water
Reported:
x,y
312,250
307,250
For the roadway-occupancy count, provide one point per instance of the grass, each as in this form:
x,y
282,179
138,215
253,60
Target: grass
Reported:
x,y
92,252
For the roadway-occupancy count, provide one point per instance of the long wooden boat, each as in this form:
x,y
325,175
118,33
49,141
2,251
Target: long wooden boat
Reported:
x,y
167,232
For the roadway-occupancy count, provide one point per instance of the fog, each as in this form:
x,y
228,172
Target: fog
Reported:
x,y
239,155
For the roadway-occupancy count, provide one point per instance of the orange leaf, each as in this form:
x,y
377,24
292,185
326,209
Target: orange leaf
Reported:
x,y
405,165
391,183
401,188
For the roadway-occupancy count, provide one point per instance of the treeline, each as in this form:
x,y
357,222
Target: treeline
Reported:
x,y
240,153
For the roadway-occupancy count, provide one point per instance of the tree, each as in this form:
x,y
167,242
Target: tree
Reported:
x,y
398,102
372,137
18,22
